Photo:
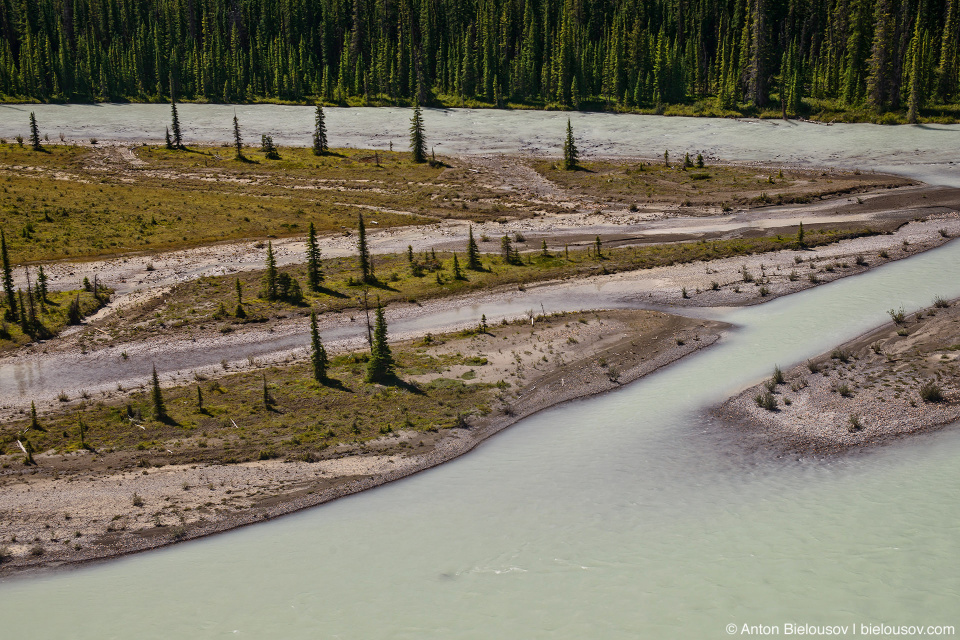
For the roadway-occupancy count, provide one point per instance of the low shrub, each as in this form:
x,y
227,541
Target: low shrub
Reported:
x,y
930,391
766,400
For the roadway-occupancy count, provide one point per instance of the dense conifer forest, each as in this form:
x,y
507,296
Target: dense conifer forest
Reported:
x,y
799,57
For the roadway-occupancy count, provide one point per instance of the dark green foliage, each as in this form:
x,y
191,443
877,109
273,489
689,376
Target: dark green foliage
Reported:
x,y
34,133
199,399
288,289
237,140
800,243
34,422
8,291
766,400
418,146
175,126
457,274
270,288
41,285
267,146
571,155
74,314
508,253
156,397
320,133
366,262
742,56
314,270
167,140
28,450
380,367
473,253
318,354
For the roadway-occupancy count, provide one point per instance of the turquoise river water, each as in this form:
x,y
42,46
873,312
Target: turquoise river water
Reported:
x,y
629,515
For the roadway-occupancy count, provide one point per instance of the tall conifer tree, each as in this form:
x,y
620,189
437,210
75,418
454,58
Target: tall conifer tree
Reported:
x,y
320,133
571,156
380,367
34,133
473,253
8,280
418,146
314,269
175,126
366,262
156,395
237,140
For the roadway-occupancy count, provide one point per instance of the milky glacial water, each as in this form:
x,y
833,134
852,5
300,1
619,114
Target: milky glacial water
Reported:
x,y
927,152
629,515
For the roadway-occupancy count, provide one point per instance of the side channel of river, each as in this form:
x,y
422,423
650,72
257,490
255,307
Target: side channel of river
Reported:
x,y
622,516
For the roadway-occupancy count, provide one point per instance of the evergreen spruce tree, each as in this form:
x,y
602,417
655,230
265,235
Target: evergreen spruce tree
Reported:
x,y
200,400
571,156
543,249
318,354
380,367
168,141
598,248
156,396
42,282
320,134
418,146
457,274
237,140
800,243
175,126
240,312
473,253
366,263
314,269
270,288
34,422
8,280
28,450
34,133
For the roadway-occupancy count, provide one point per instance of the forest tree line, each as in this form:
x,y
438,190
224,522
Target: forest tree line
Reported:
x,y
884,55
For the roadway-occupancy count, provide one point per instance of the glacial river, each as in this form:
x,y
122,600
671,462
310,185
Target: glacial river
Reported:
x,y
629,515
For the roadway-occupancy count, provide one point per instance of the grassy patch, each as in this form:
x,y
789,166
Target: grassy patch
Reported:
x,y
305,420
209,302
78,202
715,185
52,315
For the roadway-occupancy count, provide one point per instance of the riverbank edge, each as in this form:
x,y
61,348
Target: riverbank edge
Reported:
x,y
670,110
759,428
531,400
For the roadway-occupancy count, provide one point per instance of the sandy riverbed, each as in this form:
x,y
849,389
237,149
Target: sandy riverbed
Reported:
x,y
77,508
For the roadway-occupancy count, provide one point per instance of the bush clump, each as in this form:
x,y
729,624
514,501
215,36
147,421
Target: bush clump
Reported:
x,y
766,400
930,391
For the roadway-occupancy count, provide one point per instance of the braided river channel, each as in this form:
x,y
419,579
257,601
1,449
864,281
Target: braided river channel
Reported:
x,y
627,515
